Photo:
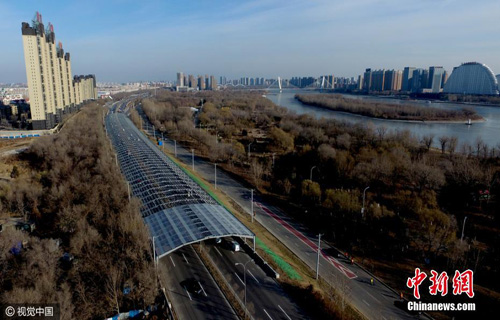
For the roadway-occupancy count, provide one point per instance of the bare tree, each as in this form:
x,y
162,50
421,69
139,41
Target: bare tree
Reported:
x,y
443,141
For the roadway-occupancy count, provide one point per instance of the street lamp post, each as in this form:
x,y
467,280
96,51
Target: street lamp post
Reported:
x,y
364,193
244,279
249,148
155,260
215,175
192,159
463,229
311,173
251,203
317,260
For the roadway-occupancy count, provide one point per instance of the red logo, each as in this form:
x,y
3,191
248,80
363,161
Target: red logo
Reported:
x,y
463,282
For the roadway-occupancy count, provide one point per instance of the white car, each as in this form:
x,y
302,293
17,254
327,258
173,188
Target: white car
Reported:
x,y
235,246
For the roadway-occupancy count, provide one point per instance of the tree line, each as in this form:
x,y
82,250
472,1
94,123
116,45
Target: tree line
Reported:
x,y
418,196
90,246
384,110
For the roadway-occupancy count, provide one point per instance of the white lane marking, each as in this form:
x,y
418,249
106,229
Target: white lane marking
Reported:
x,y
220,254
243,283
253,276
172,261
267,314
384,318
284,312
202,289
185,258
188,294
366,302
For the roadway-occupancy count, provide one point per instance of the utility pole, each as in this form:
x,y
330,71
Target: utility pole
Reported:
x,y
317,261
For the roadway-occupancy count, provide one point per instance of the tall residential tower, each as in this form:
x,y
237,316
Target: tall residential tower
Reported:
x,y
48,71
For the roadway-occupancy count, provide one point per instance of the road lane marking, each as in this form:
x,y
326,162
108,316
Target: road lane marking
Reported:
x,y
202,289
188,294
366,302
284,312
185,258
172,261
348,273
243,283
267,314
220,254
253,276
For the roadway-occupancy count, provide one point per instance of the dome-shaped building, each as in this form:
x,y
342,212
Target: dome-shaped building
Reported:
x,y
472,78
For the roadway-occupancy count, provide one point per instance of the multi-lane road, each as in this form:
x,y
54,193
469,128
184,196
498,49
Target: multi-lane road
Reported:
x,y
185,264
334,269
266,299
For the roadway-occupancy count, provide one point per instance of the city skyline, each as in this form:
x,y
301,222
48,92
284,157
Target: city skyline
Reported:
x,y
258,38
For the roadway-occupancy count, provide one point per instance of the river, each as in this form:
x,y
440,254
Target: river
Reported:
x,y
488,131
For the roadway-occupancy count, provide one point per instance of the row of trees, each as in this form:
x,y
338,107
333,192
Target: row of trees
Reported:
x,y
417,199
75,194
385,110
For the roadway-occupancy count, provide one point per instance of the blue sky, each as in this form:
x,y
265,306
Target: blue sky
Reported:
x,y
122,40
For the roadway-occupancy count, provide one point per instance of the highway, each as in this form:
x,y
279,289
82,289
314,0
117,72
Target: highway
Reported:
x,y
265,297
210,304
335,270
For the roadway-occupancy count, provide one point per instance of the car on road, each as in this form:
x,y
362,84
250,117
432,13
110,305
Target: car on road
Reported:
x,y
235,246
218,240
192,285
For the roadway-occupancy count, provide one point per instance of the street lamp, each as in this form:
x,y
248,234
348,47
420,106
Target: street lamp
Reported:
x,y
155,260
215,175
192,159
249,149
311,173
363,208
463,229
317,260
244,279
251,203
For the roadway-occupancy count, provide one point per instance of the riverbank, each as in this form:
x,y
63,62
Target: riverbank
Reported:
x,y
388,111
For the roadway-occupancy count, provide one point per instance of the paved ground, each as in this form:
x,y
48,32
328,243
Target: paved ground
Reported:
x,y
210,304
265,297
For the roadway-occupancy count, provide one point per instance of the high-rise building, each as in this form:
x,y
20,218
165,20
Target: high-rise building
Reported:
x,y
407,81
180,79
367,80
201,83
48,72
213,83
360,83
420,80
392,81
378,77
436,79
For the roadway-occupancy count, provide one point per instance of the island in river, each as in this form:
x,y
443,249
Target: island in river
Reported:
x,y
383,110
